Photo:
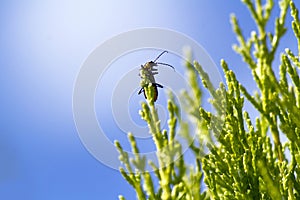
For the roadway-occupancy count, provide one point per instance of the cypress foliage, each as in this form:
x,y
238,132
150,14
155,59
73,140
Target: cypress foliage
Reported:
x,y
250,161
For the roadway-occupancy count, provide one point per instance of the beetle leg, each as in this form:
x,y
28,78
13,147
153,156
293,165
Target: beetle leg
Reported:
x,y
158,85
141,90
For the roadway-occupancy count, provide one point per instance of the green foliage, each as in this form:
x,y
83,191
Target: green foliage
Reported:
x,y
250,160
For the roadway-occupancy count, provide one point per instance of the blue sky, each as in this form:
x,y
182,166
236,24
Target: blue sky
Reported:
x,y
43,45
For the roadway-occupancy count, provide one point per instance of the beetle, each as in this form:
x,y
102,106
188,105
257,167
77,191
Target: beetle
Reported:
x,y
147,73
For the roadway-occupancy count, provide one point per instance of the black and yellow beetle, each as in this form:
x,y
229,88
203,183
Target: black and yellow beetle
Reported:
x,y
147,73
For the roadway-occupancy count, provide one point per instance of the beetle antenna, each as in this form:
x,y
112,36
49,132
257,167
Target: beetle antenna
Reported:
x,y
166,65
160,55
